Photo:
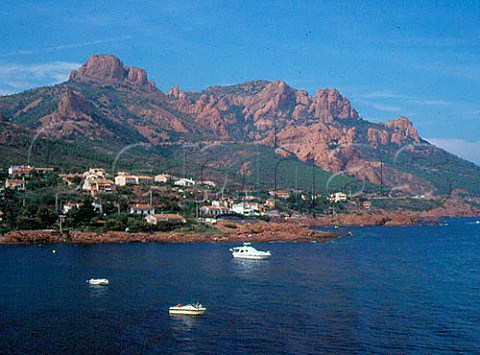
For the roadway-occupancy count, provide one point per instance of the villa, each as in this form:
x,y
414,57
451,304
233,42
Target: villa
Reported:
x,y
142,210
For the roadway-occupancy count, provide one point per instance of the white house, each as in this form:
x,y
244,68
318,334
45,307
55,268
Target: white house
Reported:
x,y
242,208
67,207
19,171
96,181
15,184
219,203
185,182
142,209
96,184
338,197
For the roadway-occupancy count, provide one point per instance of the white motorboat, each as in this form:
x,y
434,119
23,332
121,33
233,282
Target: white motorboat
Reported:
x,y
246,251
187,310
98,282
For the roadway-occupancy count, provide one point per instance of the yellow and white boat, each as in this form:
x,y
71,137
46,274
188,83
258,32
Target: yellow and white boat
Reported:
x,y
187,310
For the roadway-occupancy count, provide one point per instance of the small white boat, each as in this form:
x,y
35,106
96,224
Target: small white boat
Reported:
x,y
98,282
246,251
188,309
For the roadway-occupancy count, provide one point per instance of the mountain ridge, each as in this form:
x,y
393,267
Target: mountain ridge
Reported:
x,y
107,101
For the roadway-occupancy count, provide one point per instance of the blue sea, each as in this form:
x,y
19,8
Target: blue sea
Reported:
x,y
387,290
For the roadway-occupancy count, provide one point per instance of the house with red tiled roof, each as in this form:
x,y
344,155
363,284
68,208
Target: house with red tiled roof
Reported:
x,y
19,171
283,194
95,181
15,184
142,209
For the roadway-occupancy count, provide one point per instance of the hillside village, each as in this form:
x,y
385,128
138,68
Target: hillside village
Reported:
x,y
45,198
289,154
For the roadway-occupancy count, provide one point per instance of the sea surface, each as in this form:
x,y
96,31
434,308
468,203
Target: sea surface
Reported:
x,y
388,290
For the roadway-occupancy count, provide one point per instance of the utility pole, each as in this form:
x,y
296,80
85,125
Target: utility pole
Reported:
x,y
381,176
61,219
275,134
313,187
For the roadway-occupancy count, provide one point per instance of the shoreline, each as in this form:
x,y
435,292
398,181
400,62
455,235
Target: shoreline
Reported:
x,y
258,232
283,230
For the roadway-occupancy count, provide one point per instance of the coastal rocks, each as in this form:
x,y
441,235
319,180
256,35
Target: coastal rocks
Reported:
x,y
453,205
367,219
261,231
286,230
35,237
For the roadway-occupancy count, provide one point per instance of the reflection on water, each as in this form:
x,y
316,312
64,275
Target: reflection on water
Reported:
x,y
97,290
183,322
185,328
248,267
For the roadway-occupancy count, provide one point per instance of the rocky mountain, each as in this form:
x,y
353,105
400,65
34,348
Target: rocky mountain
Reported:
x,y
106,104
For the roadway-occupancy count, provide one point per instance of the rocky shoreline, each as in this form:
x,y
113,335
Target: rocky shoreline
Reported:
x,y
258,232
370,219
289,230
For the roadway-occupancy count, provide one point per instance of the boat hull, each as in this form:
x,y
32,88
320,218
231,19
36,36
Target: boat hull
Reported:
x,y
252,257
98,282
187,311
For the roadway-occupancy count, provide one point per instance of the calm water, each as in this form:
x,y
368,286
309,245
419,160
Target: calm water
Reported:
x,y
384,290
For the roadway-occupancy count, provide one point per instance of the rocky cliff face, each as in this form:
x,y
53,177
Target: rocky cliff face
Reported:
x,y
260,108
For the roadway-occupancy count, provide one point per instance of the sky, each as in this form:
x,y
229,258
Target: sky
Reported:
x,y
419,59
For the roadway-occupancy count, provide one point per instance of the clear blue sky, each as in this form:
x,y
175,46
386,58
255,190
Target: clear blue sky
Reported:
x,y
419,59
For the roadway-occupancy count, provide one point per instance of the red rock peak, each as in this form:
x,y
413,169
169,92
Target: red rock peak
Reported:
x,y
108,68
403,129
